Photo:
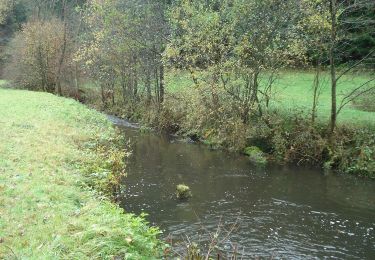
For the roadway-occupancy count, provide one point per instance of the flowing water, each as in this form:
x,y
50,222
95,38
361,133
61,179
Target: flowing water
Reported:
x,y
278,212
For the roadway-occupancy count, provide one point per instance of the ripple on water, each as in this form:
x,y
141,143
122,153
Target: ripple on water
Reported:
x,y
284,213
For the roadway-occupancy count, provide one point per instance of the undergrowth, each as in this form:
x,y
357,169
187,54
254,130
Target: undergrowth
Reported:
x,y
285,138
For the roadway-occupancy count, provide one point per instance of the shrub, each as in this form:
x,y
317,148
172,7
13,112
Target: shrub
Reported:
x,y
296,140
355,153
105,166
255,155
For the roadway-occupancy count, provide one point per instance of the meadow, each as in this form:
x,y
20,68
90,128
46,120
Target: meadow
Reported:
x,y
293,92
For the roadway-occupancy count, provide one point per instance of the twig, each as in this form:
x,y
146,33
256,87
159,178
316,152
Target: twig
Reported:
x,y
355,64
352,95
12,251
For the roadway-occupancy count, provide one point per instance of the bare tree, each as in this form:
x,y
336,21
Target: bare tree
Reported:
x,y
340,24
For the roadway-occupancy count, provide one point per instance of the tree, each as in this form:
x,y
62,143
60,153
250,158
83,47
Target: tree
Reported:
x,y
340,25
315,28
235,46
36,55
126,40
21,11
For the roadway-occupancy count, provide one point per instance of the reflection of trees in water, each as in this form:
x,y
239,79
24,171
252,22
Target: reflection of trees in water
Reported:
x,y
351,192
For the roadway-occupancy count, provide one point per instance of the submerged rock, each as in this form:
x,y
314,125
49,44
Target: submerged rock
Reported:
x,y
183,192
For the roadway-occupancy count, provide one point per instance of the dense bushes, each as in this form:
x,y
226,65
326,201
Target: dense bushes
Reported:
x,y
355,153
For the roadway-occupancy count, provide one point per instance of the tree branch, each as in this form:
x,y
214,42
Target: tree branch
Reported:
x,y
355,64
354,94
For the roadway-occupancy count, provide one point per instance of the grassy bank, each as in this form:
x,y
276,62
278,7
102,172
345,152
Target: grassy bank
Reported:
x,y
48,167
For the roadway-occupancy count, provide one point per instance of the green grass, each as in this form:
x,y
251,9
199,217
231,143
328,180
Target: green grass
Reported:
x,y
293,92
46,211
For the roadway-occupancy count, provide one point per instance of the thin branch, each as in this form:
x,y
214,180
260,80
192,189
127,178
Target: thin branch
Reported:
x,y
11,250
354,94
355,64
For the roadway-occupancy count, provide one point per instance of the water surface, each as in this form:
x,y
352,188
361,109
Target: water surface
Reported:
x,y
279,212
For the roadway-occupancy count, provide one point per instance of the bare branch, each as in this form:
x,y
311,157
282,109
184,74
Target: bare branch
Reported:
x,y
354,94
355,64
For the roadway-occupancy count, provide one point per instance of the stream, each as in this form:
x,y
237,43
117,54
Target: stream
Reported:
x,y
277,212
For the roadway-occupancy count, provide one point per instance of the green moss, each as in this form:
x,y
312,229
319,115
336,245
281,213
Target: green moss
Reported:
x,y
54,159
255,155
183,192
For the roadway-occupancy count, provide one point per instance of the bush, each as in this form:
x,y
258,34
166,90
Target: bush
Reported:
x,y
355,153
296,140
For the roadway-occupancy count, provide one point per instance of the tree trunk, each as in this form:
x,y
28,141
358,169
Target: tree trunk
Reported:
x,y
316,86
148,87
63,50
135,89
157,92
161,84
78,93
103,94
333,12
123,86
255,93
113,93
